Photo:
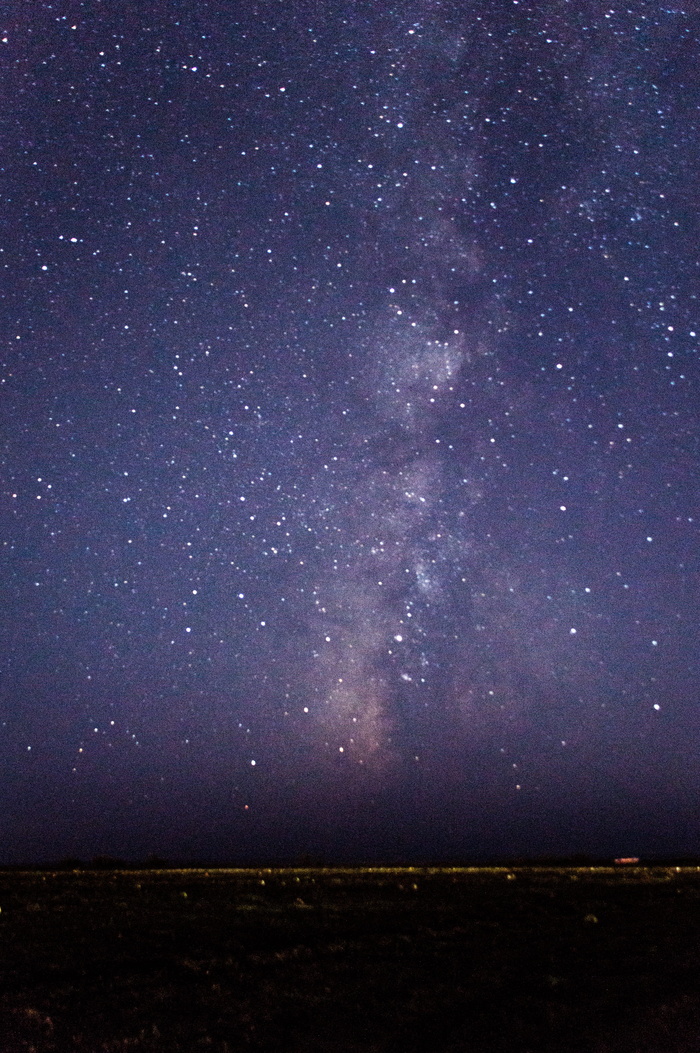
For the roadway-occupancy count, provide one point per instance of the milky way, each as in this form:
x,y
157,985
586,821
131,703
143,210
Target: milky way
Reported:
x,y
349,408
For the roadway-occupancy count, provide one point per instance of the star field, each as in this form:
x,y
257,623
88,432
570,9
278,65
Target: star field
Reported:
x,y
349,401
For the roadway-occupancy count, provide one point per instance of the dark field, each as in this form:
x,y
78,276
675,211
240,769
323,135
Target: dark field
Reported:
x,y
490,959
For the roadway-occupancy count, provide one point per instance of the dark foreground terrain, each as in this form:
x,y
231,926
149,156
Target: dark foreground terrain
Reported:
x,y
490,959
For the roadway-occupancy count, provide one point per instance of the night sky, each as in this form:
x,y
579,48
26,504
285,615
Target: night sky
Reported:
x,y
349,400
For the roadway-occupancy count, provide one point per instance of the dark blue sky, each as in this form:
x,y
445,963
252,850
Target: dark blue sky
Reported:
x,y
349,409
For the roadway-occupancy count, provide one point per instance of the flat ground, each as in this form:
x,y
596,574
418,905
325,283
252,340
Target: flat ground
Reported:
x,y
605,960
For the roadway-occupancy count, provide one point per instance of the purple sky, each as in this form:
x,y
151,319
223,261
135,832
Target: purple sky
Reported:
x,y
349,429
